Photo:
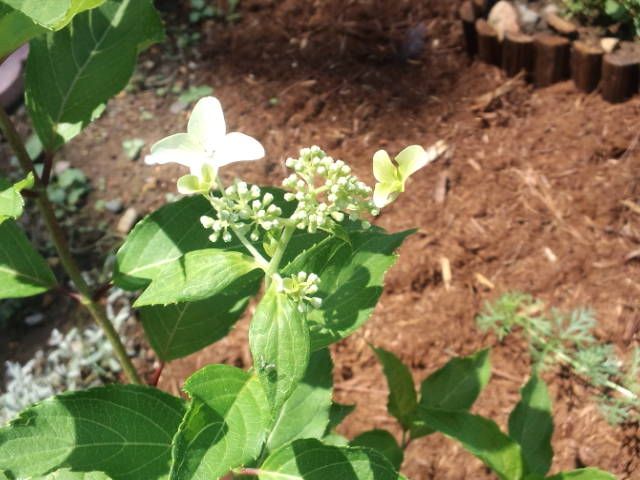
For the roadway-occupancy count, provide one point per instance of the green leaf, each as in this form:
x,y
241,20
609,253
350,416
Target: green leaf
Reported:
x,y
335,439
531,425
15,29
11,202
72,73
455,386
52,14
279,342
480,436
402,400
199,275
305,414
23,272
109,429
178,330
383,442
337,414
165,235
66,474
312,460
159,239
351,281
225,425
583,474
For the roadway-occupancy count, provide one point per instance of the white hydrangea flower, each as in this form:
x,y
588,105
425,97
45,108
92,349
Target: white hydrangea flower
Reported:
x,y
205,147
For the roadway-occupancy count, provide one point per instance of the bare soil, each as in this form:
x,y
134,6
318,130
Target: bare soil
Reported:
x,y
530,197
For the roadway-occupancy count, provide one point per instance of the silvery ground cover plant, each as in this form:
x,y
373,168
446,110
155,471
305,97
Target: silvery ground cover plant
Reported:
x,y
306,251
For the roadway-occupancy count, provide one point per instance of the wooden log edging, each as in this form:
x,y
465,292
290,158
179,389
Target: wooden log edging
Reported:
x,y
547,58
586,66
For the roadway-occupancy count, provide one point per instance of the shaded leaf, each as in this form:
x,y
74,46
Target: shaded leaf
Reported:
x,y
531,425
337,414
178,330
402,400
15,29
480,436
279,341
199,275
305,414
225,424
71,73
383,442
312,460
23,272
351,280
107,429
455,386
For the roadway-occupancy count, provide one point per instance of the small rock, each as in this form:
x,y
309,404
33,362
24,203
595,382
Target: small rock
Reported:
x,y
528,18
609,44
60,166
178,106
504,18
114,206
34,319
127,221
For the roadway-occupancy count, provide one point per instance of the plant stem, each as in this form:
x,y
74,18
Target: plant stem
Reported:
x,y
61,246
274,264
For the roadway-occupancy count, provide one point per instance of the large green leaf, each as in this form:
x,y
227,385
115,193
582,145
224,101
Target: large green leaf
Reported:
x,y
159,239
402,400
480,436
124,431
279,342
200,275
455,386
178,330
225,425
23,272
312,460
351,280
583,474
531,425
52,14
305,414
67,474
15,29
165,235
383,442
71,73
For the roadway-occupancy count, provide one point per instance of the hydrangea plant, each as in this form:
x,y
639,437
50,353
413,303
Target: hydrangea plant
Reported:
x,y
306,253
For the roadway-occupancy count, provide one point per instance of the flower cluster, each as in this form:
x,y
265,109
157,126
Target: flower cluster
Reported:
x,y
325,190
300,288
244,209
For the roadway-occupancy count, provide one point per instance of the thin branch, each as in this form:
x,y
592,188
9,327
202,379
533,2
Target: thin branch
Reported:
x,y
84,295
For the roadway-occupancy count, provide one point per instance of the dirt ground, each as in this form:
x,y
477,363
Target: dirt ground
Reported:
x,y
530,197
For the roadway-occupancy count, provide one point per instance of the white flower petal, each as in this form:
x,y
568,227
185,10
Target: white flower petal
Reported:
x,y
207,124
180,148
385,193
414,157
237,147
383,169
410,160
